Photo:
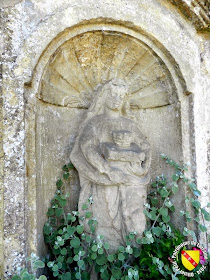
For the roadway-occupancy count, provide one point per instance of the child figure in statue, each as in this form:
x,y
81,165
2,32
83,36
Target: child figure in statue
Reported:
x,y
113,160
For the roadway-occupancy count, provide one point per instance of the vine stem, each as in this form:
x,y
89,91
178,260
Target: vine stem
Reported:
x,y
159,212
128,260
206,235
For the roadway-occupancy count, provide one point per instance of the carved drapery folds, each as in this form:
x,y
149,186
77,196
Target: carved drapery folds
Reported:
x,y
112,158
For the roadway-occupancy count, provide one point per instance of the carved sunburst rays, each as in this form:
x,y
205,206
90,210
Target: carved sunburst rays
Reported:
x,y
93,58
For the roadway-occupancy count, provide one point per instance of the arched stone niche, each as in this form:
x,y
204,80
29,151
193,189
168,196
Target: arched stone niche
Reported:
x,y
64,81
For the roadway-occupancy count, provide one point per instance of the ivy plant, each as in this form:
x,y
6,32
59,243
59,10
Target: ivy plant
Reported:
x,y
74,254
23,273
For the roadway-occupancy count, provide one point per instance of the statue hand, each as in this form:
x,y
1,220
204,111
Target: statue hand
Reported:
x,y
136,169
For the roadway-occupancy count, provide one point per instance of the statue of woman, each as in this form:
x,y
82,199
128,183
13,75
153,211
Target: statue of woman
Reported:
x,y
113,159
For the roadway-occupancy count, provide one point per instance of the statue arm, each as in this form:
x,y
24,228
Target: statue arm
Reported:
x,y
89,145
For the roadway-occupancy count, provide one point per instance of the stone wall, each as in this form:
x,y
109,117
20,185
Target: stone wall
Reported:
x,y
32,33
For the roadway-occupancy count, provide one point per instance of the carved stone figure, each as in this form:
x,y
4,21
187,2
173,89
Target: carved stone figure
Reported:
x,y
113,160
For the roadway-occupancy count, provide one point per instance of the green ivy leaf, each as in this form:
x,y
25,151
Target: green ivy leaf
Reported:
x,y
75,242
38,264
58,212
78,275
50,212
47,229
175,188
59,265
166,219
71,230
192,186
85,206
131,236
69,260
50,264
61,202
153,214
93,256
60,241
60,258
101,260
64,251
144,240
197,219
42,277
206,214
157,231
168,203
105,275
76,258
88,215
197,193
70,165
121,249
55,267
94,248
80,229
164,193
80,263
116,272
149,237
106,246
147,213
163,211
66,276
65,168
186,231
196,204
121,257
100,251
202,228
66,176
175,177
111,258
55,273
73,219
154,201
59,183
138,241
88,238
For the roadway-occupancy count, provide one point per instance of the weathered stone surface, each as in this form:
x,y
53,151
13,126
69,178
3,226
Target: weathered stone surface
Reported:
x,y
198,12
8,3
76,69
34,32
93,58
115,181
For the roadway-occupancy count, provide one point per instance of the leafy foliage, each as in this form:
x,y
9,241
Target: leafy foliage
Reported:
x,y
23,273
75,254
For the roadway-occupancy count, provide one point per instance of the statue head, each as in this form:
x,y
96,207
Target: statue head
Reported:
x,y
115,92
113,95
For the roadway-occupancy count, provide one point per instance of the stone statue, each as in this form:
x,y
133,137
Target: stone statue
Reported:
x,y
113,159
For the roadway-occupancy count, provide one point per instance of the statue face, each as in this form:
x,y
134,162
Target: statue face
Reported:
x,y
115,97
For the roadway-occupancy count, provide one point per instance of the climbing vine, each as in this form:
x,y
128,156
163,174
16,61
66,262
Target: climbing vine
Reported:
x,y
74,254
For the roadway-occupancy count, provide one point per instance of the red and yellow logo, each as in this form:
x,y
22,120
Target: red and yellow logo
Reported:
x,y
190,259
